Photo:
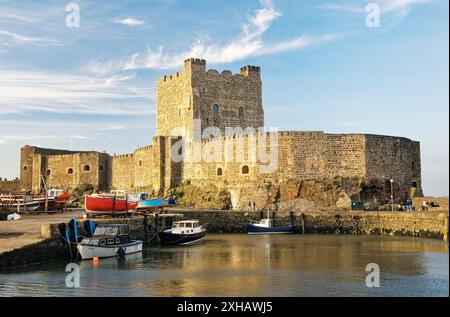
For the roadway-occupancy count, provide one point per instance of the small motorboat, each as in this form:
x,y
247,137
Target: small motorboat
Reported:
x,y
109,240
183,233
156,203
266,226
110,204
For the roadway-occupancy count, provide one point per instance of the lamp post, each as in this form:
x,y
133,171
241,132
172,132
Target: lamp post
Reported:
x,y
392,193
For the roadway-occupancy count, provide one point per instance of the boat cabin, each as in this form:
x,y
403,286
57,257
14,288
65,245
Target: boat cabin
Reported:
x,y
186,227
265,223
111,230
55,192
110,234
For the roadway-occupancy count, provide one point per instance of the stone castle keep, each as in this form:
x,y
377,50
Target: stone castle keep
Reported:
x,y
313,168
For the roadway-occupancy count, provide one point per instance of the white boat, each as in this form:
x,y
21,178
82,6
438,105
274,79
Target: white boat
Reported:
x,y
109,240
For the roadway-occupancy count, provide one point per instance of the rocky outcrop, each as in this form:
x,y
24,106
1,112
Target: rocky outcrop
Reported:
x,y
209,197
334,194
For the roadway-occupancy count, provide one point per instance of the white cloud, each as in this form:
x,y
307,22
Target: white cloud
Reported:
x,y
131,22
386,6
60,93
12,14
19,38
248,43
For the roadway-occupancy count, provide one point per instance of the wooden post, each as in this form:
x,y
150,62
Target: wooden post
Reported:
x,y
157,227
147,235
303,223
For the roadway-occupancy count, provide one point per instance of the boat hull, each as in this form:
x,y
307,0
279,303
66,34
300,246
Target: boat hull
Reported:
x,y
88,252
252,229
109,204
155,203
169,238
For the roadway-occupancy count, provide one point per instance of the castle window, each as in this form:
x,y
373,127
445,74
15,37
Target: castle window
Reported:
x,y
70,171
48,173
219,172
25,168
245,170
140,163
241,113
413,165
101,168
215,110
86,168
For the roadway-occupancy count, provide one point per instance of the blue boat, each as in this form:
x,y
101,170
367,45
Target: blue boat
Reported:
x,y
156,203
265,226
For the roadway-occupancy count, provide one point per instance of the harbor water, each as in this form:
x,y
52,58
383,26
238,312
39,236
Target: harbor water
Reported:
x,y
255,266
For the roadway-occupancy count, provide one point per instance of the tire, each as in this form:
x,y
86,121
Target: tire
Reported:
x,y
121,252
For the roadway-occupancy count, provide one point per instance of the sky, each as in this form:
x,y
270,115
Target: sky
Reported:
x,y
92,87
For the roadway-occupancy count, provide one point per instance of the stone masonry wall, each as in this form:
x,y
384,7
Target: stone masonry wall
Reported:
x,y
9,186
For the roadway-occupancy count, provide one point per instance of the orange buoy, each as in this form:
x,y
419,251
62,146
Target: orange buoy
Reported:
x,y
95,260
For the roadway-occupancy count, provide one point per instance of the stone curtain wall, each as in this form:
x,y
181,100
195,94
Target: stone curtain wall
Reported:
x,y
396,158
123,173
10,186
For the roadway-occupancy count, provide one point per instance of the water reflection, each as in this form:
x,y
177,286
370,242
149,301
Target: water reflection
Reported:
x,y
240,265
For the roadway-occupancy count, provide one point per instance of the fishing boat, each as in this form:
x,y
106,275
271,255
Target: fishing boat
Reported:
x,y
109,204
156,203
266,226
109,240
183,233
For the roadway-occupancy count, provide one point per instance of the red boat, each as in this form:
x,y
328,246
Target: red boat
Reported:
x,y
109,204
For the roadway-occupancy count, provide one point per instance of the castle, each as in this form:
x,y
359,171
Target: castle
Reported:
x,y
309,165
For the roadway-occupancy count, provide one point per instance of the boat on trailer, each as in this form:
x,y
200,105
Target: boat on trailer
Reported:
x,y
114,203
109,240
157,203
183,233
266,226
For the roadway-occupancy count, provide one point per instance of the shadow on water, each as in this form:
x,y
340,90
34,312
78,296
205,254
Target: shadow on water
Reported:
x,y
240,265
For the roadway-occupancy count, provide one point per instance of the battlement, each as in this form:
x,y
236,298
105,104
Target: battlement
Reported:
x,y
198,66
123,156
195,61
248,70
144,149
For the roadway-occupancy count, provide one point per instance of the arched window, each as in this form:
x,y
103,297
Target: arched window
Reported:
x,y
48,173
215,109
245,170
241,113
414,184
86,168
140,163
101,168
25,168
219,172
70,171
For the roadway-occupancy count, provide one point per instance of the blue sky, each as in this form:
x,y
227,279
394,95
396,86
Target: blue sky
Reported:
x,y
93,87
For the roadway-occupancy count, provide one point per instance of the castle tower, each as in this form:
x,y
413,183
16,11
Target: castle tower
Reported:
x,y
215,99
